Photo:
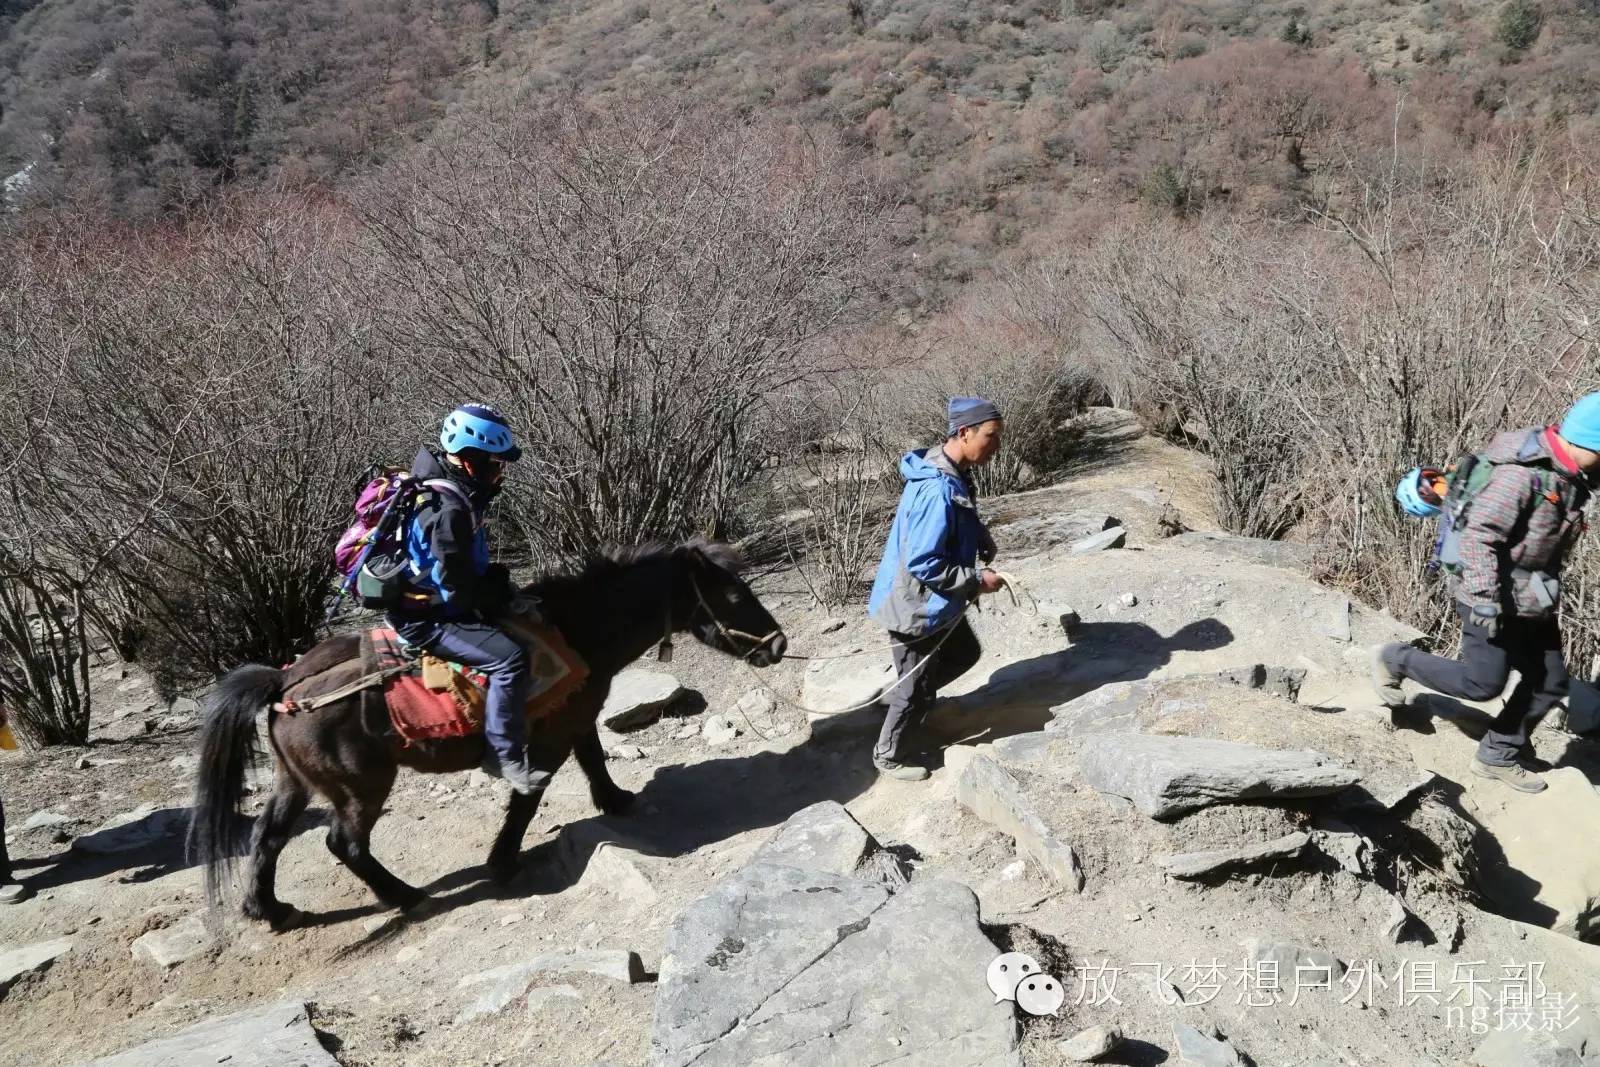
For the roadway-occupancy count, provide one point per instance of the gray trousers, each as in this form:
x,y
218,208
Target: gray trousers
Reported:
x,y
908,702
1532,647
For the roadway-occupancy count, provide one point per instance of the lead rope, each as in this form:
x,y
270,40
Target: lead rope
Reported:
x,y
949,628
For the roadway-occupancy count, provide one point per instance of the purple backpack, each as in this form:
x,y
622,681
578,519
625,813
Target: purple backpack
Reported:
x,y
376,498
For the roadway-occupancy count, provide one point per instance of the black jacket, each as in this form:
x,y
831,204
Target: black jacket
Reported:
x,y
448,546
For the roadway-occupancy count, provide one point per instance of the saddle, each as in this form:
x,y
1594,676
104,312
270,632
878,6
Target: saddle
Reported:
x,y
430,699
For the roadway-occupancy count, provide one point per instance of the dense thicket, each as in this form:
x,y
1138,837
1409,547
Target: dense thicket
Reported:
x,y
991,120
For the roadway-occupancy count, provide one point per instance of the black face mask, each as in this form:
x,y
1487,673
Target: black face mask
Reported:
x,y
484,484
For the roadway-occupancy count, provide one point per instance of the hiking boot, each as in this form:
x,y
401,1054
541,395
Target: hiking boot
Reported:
x,y
903,772
1385,682
1513,775
515,773
14,892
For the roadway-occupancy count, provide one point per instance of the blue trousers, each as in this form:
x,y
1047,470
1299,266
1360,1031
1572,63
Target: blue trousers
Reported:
x,y
502,660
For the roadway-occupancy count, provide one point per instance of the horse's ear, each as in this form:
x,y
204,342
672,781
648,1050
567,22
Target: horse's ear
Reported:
x,y
718,554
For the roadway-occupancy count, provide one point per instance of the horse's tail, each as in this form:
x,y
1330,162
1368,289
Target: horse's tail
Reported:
x,y
218,829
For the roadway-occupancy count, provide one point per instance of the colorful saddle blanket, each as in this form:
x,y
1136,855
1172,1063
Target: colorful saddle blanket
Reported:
x,y
429,699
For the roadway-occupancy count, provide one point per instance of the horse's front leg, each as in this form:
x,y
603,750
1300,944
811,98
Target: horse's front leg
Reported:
x,y
505,856
607,795
547,751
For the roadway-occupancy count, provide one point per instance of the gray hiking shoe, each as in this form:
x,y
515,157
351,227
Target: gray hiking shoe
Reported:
x,y
1517,777
902,772
515,773
1385,682
14,893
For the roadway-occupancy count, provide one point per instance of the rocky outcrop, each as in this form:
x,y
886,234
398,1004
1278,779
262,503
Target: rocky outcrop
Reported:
x,y
785,966
994,796
278,1035
1168,776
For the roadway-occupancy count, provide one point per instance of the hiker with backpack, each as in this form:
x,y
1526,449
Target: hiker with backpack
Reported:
x,y
451,597
1508,517
930,574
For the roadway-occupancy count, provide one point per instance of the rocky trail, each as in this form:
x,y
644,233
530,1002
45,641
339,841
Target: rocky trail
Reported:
x,y
1166,785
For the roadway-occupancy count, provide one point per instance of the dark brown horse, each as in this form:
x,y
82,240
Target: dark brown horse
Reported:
x,y
610,613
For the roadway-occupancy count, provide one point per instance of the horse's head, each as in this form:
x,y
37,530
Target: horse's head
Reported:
x,y
722,611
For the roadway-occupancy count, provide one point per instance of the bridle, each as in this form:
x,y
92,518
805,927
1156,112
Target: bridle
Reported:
x,y
664,654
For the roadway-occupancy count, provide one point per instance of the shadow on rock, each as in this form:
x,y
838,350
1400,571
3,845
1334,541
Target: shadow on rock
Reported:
x,y
1017,698
1421,714
685,807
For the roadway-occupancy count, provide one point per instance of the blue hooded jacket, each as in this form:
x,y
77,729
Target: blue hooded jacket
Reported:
x,y
930,563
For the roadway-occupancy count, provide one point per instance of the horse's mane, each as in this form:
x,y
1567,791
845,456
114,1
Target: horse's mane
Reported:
x,y
607,562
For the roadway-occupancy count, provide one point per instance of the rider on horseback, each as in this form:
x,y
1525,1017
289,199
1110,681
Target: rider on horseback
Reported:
x,y
448,547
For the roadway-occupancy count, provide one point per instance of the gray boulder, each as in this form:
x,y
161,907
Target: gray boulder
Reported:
x,y
1168,776
994,796
1091,1044
278,1035
783,967
637,698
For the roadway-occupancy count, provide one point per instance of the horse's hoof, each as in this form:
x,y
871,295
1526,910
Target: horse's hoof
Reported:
x,y
617,803
285,918
415,907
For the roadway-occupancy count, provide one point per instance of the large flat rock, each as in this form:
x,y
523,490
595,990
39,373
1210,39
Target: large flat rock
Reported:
x,y
1544,877
1168,776
823,837
277,1035
783,967
144,827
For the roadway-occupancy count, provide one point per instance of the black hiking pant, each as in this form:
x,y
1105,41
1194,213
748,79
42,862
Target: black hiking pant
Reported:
x,y
908,702
1531,647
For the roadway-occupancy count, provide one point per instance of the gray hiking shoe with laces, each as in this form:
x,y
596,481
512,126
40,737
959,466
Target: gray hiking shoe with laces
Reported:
x,y
1514,775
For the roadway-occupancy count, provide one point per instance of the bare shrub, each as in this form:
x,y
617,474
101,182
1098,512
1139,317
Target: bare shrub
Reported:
x,y
1428,311
198,408
630,286
834,492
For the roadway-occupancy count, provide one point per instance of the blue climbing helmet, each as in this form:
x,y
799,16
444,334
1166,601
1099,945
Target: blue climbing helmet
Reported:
x,y
480,427
1421,492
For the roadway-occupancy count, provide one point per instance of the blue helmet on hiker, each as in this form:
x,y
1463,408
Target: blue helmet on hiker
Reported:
x,y
1421,492
1581,427
479,427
